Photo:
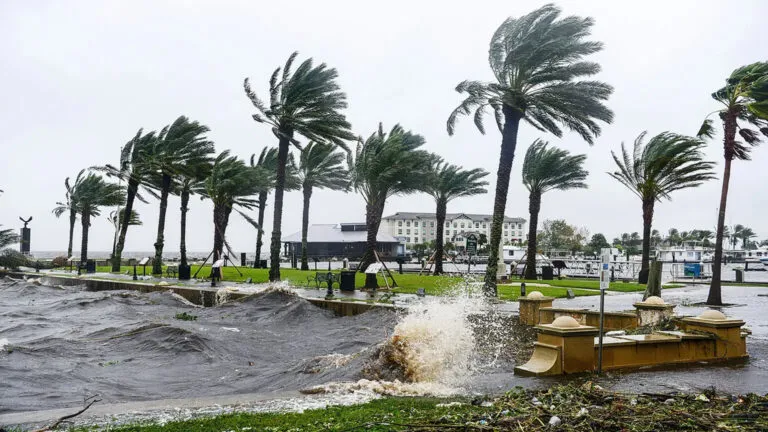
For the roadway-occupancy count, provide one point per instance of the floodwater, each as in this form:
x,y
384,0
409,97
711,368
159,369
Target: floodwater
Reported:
x,y
63,344
60,345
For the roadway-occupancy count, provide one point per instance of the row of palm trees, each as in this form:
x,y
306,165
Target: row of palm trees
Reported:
x,y
542,78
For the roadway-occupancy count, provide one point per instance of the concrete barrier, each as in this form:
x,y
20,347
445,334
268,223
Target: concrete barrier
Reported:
x,y
565,346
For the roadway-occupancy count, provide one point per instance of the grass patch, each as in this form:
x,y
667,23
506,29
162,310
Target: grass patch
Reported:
x,y
595,284
578,407
185,316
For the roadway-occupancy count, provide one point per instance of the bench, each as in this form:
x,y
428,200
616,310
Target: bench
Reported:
x,y
172,271
322,277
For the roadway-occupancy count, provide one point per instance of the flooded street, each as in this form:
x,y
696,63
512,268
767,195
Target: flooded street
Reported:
x,y
60,345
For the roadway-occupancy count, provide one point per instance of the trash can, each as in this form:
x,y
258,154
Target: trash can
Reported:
x,y
90,266
185,272
347,281
739,275
547,273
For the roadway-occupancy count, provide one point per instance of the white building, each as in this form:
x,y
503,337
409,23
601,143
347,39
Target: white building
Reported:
x,y
414,228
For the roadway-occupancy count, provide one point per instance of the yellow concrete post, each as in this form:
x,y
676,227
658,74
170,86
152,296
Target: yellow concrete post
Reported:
x,y
530,305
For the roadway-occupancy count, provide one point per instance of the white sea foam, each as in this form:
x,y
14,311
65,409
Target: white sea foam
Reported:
x,y
4,342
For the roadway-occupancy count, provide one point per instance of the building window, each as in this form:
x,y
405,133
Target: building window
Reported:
x,y
462,225
424,223
447,224
519,226
477,224
409,239
431,224
400,231
408,223
407,231
415,239
483,224
399,223
454,224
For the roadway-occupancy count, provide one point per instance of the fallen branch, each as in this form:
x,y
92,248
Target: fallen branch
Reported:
x,y
93,399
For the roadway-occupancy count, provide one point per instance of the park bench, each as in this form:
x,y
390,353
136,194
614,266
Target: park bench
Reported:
x,y
172,271
322,278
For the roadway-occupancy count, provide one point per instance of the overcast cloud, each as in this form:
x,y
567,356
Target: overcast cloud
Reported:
x,y
79,78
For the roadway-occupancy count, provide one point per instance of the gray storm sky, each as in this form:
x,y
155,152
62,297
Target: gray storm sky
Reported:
x,y
79,78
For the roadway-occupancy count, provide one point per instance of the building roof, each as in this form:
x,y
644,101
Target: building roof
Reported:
x,y
451,216
332,233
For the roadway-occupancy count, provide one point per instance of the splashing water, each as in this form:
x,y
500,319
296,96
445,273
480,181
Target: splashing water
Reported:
x,y
443,340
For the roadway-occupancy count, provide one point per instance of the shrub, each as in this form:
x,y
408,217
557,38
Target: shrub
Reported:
x,y
60,261
13,259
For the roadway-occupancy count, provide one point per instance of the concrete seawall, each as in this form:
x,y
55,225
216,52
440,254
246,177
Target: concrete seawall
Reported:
x,y
198,295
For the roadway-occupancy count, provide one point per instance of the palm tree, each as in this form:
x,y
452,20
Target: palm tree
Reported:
x,y
116,219
179,148
537,61
745,103
306,102
68,206
8,237
745,236
320,166
545,169
669,162
267,162
655,238
134,172
191,180
88,196
230,184
445,183
384,165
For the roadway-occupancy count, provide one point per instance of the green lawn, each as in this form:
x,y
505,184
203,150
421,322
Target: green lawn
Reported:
x,y
407,283
594,284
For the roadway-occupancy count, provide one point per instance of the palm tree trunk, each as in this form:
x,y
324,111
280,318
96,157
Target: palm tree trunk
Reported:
x,y
157,263
647,222
715,286
72,219
220,222
508,145
85,218
305,226
260,233
274,246
372,221
133,188
183,235
534,207
440,217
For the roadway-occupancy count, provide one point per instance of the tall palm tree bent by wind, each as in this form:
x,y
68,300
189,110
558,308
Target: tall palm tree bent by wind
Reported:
x,y
545,169
230,184
669,162
536,60
89,195
384,165
445,183
304,102
745,105
320,166
134,172
179,148
267,162
68,206
191,180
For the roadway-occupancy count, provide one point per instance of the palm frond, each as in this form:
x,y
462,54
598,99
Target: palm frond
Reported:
x,y
538,61
548,168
